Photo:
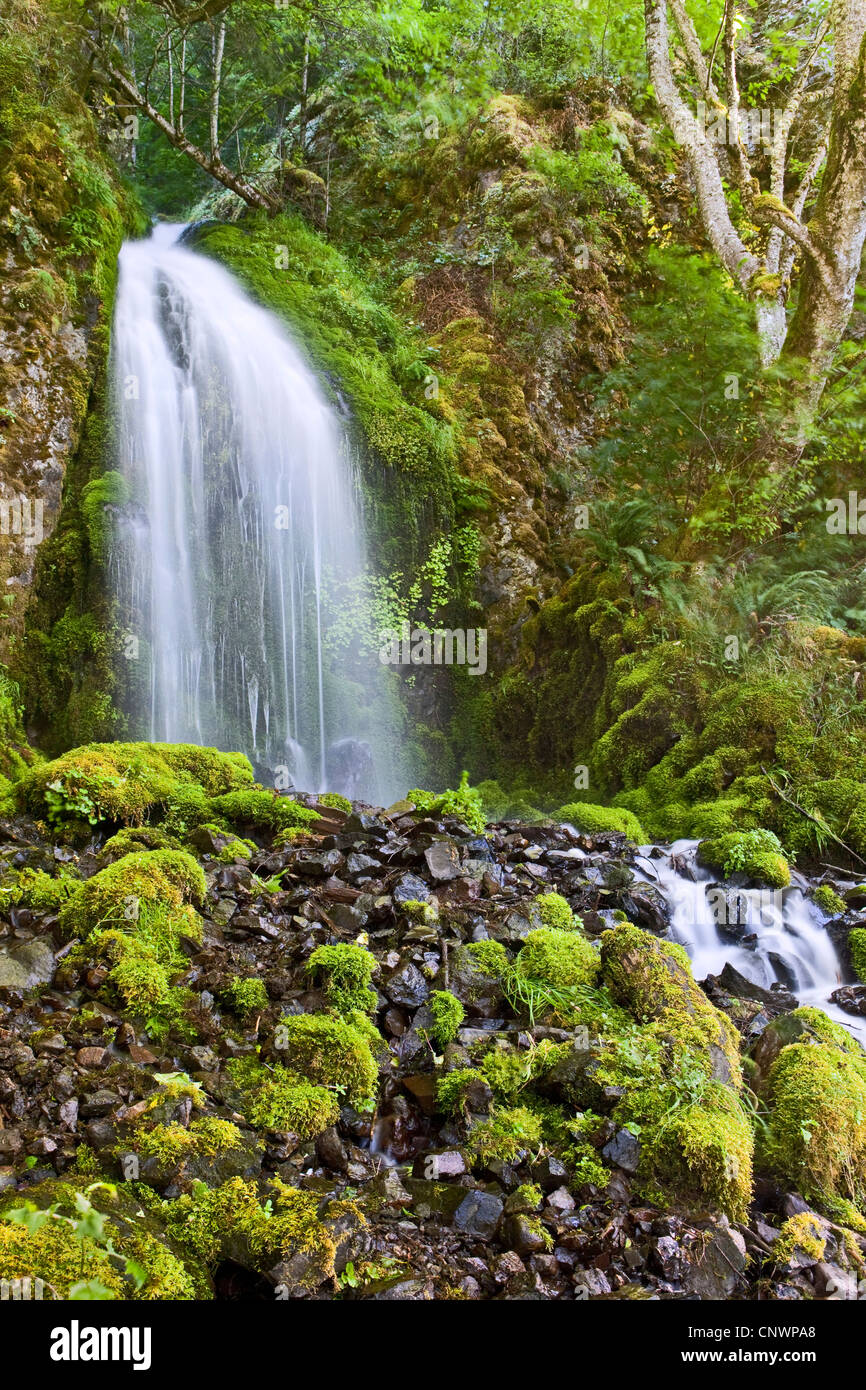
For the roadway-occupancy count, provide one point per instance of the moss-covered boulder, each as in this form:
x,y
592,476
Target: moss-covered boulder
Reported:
x,y
598,820
331,1051
74,1233
127,782
815,1093
756,853
117,895
563,959
653,980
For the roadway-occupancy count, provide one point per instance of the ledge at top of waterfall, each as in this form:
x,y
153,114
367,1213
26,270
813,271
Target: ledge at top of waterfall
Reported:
x,y
240,563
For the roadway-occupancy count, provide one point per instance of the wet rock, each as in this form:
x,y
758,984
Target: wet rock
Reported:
x,y
623,1150
27,966
647,905
331,1151
91,1057
778,1034
440,1163
572,1078
407,987
549,1173
429,1198
851,998
775,1000
560,1202
398,1290
716,1265
410,889
524,1235
479,1214
443,860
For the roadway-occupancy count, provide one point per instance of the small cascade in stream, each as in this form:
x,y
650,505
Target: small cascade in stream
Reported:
x,y
240,562
768,936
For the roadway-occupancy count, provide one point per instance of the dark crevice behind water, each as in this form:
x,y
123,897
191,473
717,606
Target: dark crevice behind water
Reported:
x,y
239,564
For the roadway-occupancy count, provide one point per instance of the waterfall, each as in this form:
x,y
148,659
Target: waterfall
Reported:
x,y
787,941
240,561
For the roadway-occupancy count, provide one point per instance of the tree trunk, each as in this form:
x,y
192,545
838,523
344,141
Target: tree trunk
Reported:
x,y
219,43
839,221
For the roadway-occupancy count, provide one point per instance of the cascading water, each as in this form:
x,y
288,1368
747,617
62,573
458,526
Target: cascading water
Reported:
x,y
240,561
786,939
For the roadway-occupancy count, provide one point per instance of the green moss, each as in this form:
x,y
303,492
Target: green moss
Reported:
x,y
703,1150
562,959
279,1100
452,1089
598,820
117,894
505,1136
38,890
448,1014
802,1232
126,781
338,802
211,1222
331,1052
134,839
253,806
653,979
55,1255
857,946
120,1246
248,998
828,900
142,967
757,853
420,911
488,957
172,1144
816,1135
346,971
555,912
464,803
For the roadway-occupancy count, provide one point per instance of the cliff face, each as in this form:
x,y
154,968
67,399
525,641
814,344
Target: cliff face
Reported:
x,y
63,212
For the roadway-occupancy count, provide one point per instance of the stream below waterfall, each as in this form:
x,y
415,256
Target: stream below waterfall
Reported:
x,y
767,935
240,566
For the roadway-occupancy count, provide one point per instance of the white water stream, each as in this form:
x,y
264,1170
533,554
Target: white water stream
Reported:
x,y
241,557
790,945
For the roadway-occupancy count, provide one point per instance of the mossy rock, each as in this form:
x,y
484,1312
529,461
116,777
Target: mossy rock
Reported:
x,y
563,959
126,782
332,1052
653,980
137,1232
756,853
114,896
816,1127
599,820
